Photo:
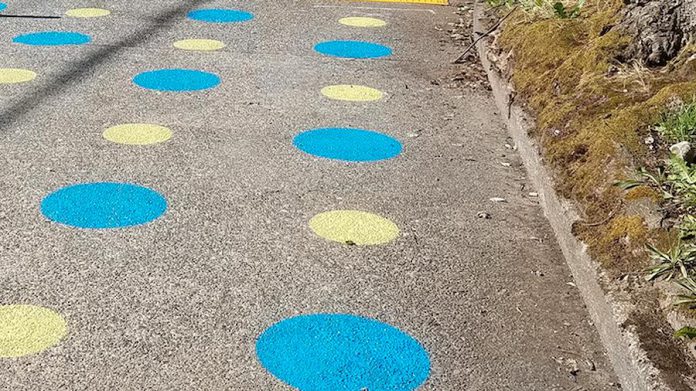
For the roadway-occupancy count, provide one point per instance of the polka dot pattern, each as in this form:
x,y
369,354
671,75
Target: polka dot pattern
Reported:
x,y
348,144
353,49
357,21
309,352
103,205
137,134
28,329
87,13
202,45
13,75
176,80
218,15
354,227
342,352
52,38
352,93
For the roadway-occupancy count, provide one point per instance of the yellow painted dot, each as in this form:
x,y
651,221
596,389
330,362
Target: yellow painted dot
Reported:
x,y
11,75
206,45
137,134
359,21
28,329
352,93
87,13
354,227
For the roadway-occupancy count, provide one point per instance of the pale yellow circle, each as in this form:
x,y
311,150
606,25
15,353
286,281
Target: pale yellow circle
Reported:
x,y
206,45
359,21
354,227
352,93
137,134
87,13
12,75
28,329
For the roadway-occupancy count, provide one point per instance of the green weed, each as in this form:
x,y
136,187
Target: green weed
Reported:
x,y
679,123
688,332
544,8
676,182
681,179
678,185
687,227
646,178
677,260
568,12
689,298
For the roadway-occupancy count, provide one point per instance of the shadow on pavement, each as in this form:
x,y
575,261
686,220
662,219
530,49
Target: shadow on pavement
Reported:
x,y
75,69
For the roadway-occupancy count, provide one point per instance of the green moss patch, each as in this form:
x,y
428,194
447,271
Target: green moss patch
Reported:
x,y
593,117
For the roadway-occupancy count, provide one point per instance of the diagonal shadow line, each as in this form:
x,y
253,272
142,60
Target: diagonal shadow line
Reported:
x,y
75,69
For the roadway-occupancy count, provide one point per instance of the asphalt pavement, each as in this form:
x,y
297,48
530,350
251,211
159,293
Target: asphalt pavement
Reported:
x,y
255,211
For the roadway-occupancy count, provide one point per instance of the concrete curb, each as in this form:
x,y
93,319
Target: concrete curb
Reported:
x,y
630,362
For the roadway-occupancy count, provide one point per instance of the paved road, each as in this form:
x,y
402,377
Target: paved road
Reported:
x,y
221,253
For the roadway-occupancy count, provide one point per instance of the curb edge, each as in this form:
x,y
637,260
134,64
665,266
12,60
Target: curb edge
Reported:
x,y
630,362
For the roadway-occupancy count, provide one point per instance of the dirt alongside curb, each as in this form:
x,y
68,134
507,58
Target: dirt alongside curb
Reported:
x,y
655,335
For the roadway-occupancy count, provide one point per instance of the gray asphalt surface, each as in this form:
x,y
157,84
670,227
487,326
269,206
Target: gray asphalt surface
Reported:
x,y
177,304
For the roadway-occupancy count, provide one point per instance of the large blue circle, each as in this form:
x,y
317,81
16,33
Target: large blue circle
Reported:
x,y
340,352
103,205
219,15
353,49
52,38
3,6
348,144
176,80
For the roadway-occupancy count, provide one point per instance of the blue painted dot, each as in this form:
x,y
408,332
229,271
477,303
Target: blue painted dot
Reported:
x,y
218,15
103,205
176,80
353,145
3,6
340,352
353,49
52,38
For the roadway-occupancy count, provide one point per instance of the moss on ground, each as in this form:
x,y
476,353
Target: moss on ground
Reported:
x,y
641,192
593,116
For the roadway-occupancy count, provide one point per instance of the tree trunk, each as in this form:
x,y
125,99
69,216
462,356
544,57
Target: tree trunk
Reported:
x,y
661,29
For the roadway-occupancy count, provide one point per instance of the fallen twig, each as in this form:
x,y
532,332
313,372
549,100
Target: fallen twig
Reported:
x,y
602,222
461,58
29,16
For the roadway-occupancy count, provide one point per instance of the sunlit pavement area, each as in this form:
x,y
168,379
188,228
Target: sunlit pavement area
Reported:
x,y
267,196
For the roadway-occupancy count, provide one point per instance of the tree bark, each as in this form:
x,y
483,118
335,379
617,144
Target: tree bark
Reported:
x,y
661,29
